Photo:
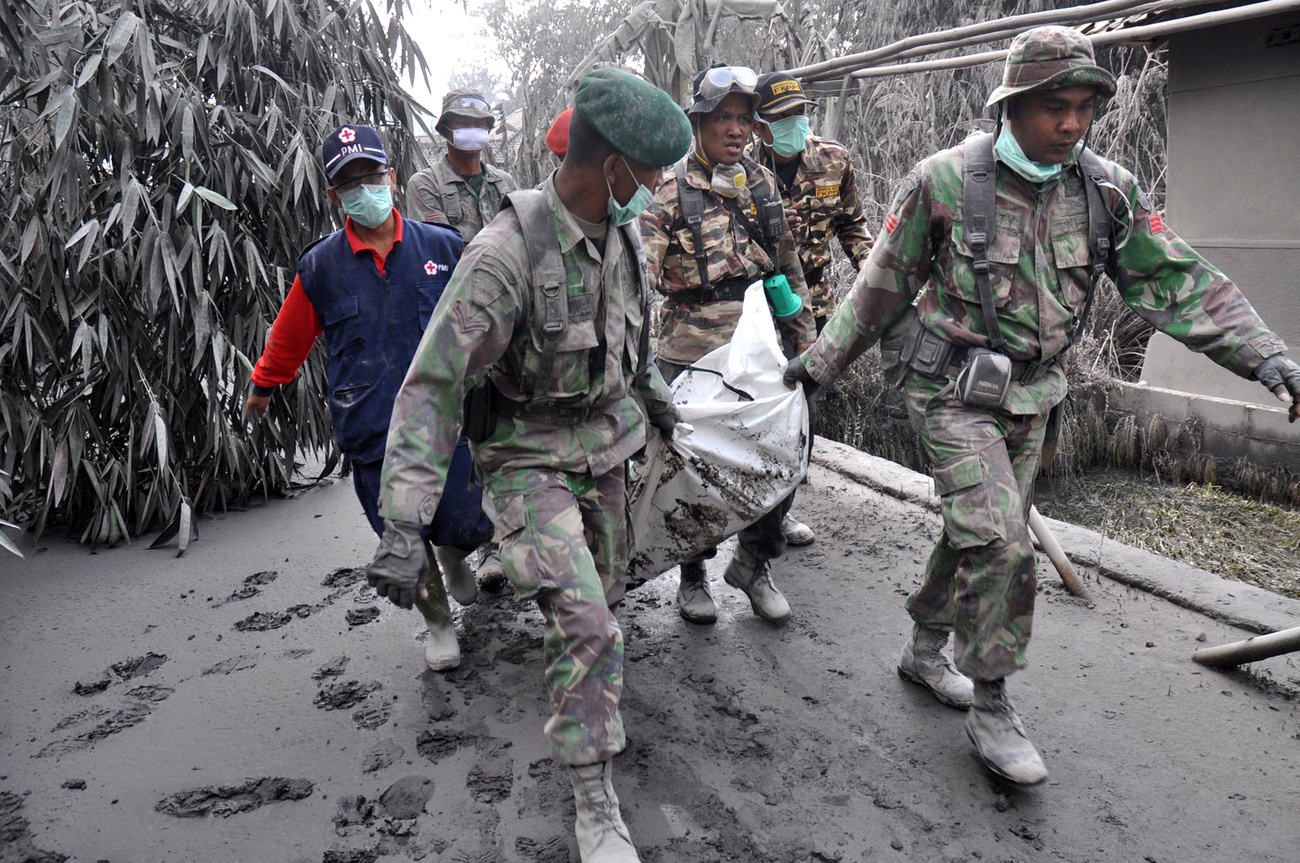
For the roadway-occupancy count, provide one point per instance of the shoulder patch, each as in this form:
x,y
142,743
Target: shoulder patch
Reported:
x,y
905,188
1143,201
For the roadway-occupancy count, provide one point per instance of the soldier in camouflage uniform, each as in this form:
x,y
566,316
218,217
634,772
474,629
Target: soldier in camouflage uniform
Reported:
x,y
696,318
572,385
463,191
979,581
820,192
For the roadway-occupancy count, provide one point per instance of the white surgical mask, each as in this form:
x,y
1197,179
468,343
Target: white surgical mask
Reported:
x,y
469,138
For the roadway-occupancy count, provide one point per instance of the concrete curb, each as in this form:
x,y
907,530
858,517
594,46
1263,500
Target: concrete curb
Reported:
x,y
1242,605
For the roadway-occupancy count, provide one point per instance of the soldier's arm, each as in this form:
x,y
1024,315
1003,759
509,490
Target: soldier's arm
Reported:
x,y
800,328
653,388
422,199
897,268
470,330
850,223
656,224
1182,294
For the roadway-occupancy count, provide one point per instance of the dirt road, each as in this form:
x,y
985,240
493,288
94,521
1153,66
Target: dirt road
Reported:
x,y
254,702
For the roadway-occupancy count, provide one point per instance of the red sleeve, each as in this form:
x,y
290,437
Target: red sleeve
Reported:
x,y
289,342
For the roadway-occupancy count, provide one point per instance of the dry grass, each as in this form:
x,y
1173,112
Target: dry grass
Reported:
x,y
1200,525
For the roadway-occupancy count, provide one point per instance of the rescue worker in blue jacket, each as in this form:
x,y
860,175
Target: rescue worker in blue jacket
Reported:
x,y
369,289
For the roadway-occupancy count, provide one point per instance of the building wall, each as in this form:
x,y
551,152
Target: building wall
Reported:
x,y
1234,183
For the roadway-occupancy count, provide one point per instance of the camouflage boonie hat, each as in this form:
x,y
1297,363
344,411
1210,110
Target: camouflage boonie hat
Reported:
x,y
641,121
465,103
1046,58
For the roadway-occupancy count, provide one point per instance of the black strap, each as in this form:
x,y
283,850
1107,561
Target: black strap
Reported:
x,y
633,251
692,202
1100,231
727,289
979,216
549,310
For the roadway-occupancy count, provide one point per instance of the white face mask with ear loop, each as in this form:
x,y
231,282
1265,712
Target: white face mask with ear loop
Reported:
x,y
470,138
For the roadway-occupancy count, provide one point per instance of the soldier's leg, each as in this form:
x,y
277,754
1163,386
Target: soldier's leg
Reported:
x,y
605,523
545,555
750,567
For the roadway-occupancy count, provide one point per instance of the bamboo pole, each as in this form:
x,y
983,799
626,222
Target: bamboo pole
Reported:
x,y
1250,650
993,29
1056,554
1145,33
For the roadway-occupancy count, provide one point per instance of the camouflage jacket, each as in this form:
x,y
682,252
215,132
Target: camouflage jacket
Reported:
x,y
689,330
823,200
1039,262
440,195
484,325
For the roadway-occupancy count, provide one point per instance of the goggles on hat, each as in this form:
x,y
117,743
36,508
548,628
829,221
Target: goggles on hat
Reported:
x,y
472,102
722,80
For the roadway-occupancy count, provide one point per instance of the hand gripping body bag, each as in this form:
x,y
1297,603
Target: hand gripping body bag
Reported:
x,y
747,452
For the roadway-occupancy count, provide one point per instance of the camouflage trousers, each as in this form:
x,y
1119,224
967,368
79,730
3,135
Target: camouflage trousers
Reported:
x,y
564,540
980,579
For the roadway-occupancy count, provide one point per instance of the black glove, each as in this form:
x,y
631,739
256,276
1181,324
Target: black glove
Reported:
x,y
665,420
400,565
795,373
1281,374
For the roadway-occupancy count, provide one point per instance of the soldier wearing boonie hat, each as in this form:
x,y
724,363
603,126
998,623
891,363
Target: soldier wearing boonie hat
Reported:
x,y
461,189
1000,241
544,326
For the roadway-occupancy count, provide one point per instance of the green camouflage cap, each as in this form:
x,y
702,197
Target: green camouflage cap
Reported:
x,y
1046,58
640,120
465,103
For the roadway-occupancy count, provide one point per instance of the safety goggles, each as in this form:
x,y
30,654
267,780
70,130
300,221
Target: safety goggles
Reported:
x,y
473,103
720,81
375,179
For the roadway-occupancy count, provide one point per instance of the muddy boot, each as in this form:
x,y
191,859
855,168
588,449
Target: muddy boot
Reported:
x,y
796,532
602,836
457,574
694,602
924,663
995,729
491,577
746,572
441,651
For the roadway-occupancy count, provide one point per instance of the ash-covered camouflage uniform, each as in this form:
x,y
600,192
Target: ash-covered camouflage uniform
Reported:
x,y
557,487
822,203
979,581
689,330
440,195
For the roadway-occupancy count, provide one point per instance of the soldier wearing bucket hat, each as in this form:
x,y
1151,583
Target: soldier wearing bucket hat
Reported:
x,y
1000,242
554,414
461,190
465,192
724,208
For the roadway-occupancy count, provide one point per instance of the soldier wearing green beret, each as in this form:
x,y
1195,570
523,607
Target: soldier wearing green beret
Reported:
x,y
991,249
543,325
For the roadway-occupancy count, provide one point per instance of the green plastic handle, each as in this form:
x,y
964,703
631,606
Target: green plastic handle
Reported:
x,y
785,302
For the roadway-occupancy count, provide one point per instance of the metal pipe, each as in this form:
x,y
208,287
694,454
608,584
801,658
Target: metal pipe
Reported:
x,y
1250,650
1057,555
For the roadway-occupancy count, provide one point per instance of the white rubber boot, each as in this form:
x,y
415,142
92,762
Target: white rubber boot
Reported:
x,y
796,533
999,737
455,570
925,664
694,602
602,836
753,576
441,650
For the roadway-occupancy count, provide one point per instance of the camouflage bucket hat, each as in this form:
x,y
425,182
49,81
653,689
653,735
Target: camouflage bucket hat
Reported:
x,y
1045,58
465,103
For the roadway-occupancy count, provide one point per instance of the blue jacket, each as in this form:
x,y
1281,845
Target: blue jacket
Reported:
x,y
373,323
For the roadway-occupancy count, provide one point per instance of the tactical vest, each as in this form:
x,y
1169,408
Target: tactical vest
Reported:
x,y
979,206
373,323
553,308
767,231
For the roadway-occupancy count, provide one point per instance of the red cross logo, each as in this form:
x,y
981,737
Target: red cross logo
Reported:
x,y
430,267
347,134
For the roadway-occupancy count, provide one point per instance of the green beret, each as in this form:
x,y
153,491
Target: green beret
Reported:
x,y
640,120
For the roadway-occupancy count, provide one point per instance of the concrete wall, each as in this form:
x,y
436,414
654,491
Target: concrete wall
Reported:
x,y
1234,183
